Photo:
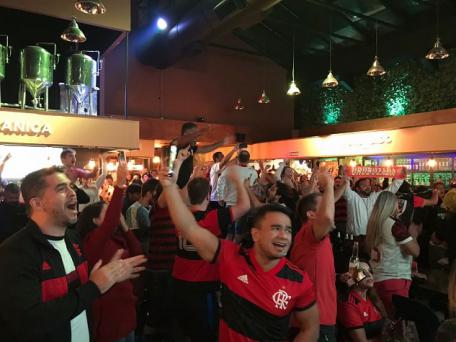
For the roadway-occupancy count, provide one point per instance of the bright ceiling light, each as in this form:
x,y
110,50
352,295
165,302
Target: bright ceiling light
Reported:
x,y
162,24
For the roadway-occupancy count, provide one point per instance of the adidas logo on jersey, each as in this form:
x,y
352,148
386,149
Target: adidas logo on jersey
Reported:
x,y
244,278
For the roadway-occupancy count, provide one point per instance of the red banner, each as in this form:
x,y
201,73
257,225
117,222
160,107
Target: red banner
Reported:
x,y
376,172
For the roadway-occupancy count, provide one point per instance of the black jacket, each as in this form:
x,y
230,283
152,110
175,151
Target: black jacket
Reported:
x,y
37,298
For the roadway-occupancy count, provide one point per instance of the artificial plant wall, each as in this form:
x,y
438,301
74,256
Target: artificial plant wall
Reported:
x,y
408,87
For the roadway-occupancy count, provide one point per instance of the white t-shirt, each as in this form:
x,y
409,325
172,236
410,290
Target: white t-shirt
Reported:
x,y
387,260
79,326
213,177
226,191
359,208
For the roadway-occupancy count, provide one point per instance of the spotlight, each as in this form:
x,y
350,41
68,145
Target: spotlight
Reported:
x,y
162,24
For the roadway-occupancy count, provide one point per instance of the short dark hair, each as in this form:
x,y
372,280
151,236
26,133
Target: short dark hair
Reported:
x,y
133,188
85,222
337,177
34,184
305,204
109,177
254,217
187,126
217,155
12,188
198,189
66,151
244,156
358,182
149,186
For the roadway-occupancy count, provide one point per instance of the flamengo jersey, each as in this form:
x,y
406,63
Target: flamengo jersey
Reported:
x,y
359,313
256,305
188,265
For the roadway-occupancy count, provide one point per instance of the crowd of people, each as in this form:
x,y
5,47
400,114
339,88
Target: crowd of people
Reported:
x,y
221,253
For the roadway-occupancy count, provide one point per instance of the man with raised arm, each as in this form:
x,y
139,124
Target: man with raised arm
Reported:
x,y
261,289
45,285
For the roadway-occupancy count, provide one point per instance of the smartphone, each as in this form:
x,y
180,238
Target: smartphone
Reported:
x,y
121,156
172,155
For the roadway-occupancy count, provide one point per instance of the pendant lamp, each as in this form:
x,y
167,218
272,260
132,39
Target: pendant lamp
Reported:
x,y
437,51
73,33
264,99
330,81
293,90
238,105
90,6
376,68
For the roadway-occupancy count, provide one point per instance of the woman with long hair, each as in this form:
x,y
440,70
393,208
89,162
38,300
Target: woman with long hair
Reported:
x,y
103,232
392,247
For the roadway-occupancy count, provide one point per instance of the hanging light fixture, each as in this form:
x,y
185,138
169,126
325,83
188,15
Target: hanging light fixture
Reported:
x,y
376,69
264,99
90,6
330,81
73,33
239,105
437,51
293,90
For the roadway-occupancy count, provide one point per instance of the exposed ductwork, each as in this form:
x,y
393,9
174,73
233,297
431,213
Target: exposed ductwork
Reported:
x,y
209,18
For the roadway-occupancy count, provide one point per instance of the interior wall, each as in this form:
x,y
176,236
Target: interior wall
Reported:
x,y
206,85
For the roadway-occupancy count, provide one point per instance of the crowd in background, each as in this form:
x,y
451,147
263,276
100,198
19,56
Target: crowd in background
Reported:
x,y
233,253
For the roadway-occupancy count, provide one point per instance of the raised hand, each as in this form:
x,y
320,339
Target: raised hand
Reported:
x,y
116,271
165,179
122,171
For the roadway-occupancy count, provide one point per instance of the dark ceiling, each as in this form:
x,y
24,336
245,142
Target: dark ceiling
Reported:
x,y
406,29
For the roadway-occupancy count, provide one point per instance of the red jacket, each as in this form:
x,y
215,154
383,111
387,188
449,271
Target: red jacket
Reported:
x,y
114,313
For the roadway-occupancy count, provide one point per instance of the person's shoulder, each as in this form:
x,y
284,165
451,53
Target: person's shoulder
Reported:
x,y
19,245
292,273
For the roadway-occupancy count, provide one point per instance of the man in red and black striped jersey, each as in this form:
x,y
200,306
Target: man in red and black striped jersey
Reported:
x,y
196,280
261,289
45,285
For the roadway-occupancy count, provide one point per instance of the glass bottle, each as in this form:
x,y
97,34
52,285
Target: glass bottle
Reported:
x,y
354,260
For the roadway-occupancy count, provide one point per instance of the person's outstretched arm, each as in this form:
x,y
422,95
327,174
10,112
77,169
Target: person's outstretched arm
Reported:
x,y
204,241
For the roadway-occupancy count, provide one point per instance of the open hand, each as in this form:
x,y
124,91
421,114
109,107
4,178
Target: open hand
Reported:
x,y
116,271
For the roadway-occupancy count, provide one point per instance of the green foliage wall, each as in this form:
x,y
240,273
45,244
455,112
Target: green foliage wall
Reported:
x,y
408,87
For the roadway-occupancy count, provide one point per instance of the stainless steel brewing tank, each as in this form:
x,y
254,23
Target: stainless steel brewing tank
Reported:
x,y
81,70
36,68
4,51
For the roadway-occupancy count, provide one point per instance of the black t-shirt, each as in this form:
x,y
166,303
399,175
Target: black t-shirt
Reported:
x,y
186,168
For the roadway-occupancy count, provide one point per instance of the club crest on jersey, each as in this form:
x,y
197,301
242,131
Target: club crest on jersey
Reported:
x,y
281,299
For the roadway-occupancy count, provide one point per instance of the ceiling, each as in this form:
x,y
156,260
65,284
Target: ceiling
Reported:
x,y
116,17
406,29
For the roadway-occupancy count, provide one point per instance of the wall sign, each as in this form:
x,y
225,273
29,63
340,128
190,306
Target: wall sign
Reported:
x,y
25,128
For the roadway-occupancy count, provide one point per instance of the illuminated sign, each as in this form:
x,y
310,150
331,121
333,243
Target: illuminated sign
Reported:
x,y
370,141
25,128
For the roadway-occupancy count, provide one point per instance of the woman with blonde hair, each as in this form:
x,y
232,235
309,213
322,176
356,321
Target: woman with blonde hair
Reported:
x,y
392,247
